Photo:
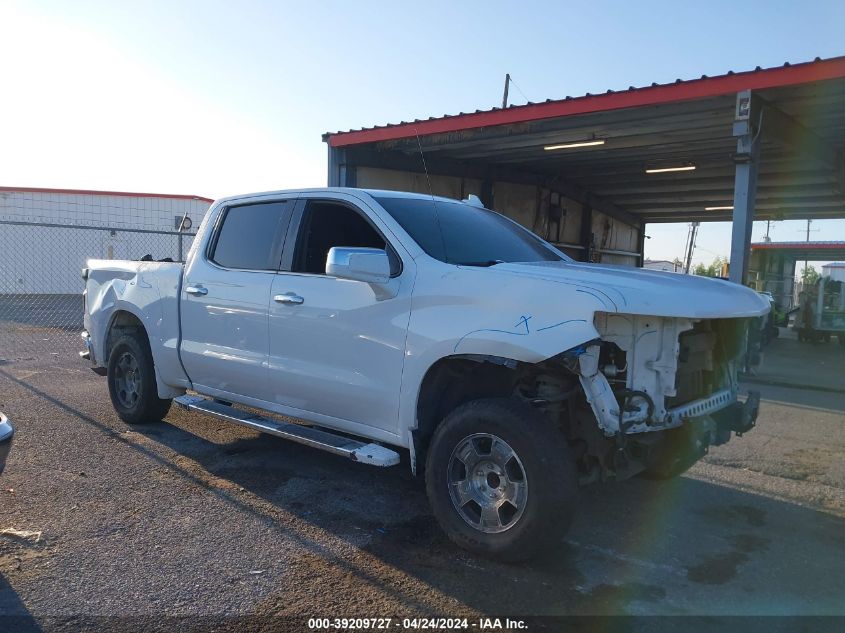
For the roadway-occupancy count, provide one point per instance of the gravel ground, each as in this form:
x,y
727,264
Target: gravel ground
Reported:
x,y
196,517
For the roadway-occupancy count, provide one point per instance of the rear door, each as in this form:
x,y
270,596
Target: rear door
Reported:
x,y
225,296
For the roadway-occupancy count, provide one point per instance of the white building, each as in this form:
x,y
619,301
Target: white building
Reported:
x,y
662,264
834,270
46,235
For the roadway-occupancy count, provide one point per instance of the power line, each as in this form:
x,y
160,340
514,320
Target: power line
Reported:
x,y
520,90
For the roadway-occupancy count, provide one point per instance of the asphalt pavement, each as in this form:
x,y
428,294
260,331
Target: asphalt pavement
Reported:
x,y
195,517
787,362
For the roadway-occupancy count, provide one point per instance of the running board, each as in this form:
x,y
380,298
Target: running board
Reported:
x,y
373,454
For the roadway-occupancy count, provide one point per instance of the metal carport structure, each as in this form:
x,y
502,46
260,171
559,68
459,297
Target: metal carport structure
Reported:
x,y
756,145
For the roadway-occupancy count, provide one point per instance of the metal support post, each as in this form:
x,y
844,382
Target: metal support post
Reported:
x,y
819,305
338,169
587,232
641,245
747,158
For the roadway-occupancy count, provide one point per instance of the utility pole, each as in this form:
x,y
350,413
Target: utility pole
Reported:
x,y
768,225
691,235
507,85
807,262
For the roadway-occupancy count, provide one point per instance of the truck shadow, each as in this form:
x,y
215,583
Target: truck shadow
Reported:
x,y
14,616
355,535
683,546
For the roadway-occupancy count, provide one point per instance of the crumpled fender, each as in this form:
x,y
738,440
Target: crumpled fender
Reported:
x,y
149,291
469,311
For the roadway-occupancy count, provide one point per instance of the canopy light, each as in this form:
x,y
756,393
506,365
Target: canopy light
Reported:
x,y
718,208
574,145
663,170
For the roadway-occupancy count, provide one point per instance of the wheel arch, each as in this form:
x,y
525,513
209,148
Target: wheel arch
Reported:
x,y
123,320
450,382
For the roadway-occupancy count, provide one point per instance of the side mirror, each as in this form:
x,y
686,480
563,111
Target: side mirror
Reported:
x,y
360,264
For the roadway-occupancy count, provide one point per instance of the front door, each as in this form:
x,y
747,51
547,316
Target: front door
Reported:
x,y
336,345
225,297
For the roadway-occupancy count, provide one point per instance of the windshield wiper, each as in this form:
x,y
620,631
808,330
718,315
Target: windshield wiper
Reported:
x,y
487,264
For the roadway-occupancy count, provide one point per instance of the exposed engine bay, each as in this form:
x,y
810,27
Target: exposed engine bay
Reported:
x,y
652,373
653,390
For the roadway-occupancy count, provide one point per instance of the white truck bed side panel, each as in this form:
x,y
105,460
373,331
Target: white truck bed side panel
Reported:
x,y
149,291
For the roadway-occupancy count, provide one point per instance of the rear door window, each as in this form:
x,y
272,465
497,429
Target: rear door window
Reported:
x,y
251,236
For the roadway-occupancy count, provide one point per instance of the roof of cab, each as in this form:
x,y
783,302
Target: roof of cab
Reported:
x,y
375,193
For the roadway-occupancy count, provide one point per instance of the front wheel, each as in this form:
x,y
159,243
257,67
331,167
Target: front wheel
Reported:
x,y
501,479
132,382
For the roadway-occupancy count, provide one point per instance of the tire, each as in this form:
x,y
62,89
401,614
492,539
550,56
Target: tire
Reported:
x,y
673,466
674,457
518,458
132,382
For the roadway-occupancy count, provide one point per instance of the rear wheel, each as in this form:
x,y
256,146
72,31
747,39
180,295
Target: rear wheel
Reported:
x,y
500,479
132,383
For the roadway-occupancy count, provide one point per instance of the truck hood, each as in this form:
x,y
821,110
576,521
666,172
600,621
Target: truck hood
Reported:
x,y
637,291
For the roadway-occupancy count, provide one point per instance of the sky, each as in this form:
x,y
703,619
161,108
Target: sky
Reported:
x,y
217,98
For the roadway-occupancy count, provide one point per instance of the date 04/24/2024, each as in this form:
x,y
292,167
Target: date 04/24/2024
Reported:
x,y
482,624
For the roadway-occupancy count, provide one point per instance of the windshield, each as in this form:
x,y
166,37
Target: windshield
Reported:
x,y
458,233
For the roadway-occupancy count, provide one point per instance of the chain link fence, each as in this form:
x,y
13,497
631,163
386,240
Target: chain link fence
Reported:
x,y
41,283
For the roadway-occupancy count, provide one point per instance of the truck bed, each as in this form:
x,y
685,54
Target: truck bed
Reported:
x,y
149,292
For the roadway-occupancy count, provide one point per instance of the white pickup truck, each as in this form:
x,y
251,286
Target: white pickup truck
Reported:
x,y
374,323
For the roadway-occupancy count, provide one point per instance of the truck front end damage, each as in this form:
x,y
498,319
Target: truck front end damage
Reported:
x,y
659,392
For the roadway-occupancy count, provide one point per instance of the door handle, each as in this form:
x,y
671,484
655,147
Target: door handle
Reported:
x,y
289,298
196,290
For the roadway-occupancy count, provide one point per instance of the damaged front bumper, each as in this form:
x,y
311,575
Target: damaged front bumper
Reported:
x,y
728,413
671,451
715,429
739,417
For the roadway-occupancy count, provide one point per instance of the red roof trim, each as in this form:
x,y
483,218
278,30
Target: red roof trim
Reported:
x,y
94,192
819,70
800,246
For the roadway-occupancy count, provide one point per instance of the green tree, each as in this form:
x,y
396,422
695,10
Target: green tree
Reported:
x,y
809,275
713,270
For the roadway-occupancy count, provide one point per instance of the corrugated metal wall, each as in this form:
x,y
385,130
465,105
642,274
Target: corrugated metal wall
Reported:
x,y
527,204
39,259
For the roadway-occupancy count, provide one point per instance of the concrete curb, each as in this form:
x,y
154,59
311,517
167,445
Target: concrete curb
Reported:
x,y
758,380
